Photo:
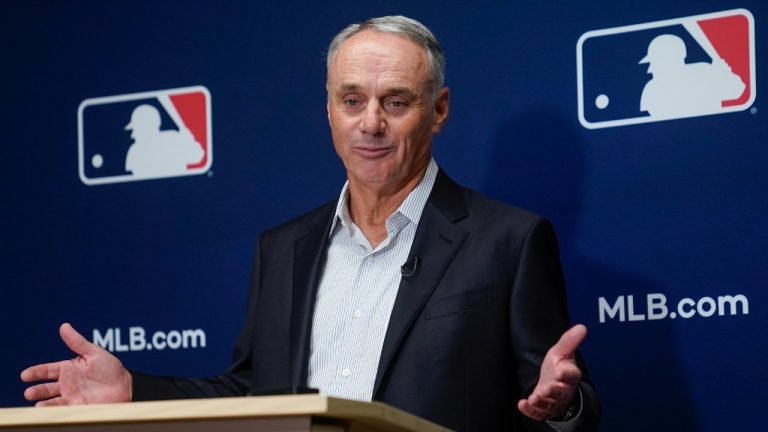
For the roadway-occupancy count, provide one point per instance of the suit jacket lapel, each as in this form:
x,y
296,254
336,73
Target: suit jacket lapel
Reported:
x,y
436,243
308,261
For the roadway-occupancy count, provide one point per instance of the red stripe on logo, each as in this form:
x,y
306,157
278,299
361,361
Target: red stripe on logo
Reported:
x,y
730,38
191,108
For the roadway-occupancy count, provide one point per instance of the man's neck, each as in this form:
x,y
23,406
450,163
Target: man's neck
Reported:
x,y
371,206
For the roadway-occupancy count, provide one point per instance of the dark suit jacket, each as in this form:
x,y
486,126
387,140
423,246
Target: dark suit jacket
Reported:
x,y
467,333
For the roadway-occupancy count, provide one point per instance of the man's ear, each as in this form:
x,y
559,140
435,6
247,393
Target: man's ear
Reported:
x,y
442,107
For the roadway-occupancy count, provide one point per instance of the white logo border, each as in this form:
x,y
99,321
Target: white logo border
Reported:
x,y
636,27
136,96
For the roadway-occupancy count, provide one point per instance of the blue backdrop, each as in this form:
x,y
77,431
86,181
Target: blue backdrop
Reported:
x,y
659,212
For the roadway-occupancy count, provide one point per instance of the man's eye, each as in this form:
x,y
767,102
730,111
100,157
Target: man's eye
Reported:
x,y
396,105
352,102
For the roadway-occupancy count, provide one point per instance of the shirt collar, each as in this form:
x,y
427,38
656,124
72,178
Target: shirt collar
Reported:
x,y
412,207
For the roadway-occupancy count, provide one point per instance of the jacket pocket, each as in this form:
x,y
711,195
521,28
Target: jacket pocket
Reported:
x,y
458,302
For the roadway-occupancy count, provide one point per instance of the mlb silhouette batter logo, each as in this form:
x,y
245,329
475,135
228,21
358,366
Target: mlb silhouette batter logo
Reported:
x,y
685,67
141,136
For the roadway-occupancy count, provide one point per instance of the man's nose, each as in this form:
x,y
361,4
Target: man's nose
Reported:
x,y
372,121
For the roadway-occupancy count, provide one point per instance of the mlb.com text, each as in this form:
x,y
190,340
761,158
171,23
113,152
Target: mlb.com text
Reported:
x,y
114,340
655,307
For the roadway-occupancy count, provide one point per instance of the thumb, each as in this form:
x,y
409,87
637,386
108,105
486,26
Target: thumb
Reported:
x,y
570,340
74,340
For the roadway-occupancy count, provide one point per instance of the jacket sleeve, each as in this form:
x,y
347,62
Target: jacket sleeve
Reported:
x,y
539,316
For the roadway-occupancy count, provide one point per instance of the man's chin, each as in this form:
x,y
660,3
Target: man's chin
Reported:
x,y
372,175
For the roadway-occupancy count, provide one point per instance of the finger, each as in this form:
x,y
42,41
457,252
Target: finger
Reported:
x,y
53,402
562,393
42,391
74,340
567,372
543,403
48,371
529,410
569,342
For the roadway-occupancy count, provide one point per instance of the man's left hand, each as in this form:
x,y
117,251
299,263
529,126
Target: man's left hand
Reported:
x,y
558,380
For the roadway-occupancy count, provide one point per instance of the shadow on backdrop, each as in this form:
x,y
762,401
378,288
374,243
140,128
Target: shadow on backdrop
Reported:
x,y
538,162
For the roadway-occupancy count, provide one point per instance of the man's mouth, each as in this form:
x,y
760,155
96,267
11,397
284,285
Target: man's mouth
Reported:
x,y
373,151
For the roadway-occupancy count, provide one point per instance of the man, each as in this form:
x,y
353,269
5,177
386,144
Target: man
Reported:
x,y
466,333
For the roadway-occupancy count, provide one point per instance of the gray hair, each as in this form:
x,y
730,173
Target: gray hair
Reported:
x,y
403,27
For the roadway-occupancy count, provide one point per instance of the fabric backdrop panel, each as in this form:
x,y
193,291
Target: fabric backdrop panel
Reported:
x,y
661,217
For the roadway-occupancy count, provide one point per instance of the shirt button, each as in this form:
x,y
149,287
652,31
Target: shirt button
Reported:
x,y
357,314
346,372
370,259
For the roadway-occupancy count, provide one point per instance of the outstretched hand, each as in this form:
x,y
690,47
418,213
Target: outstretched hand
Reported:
x,y
558,380
94,376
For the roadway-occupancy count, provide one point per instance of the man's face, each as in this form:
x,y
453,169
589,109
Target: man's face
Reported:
x,y
381,109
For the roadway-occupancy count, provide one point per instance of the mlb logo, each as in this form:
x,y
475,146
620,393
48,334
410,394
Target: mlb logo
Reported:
x,y
142,136
672,69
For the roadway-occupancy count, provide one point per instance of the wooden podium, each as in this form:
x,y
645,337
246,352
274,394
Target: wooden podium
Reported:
x,y
288,413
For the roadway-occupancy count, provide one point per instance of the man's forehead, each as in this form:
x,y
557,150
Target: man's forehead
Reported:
x,y
371,36
375,53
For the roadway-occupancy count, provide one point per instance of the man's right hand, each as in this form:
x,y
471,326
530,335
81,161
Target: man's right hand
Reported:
x,y
94,376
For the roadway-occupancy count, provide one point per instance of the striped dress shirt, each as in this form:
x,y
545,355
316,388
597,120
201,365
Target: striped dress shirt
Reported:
x,y
356,295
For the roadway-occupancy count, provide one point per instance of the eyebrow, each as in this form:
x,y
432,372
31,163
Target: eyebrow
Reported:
x,y
403,91
349,88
